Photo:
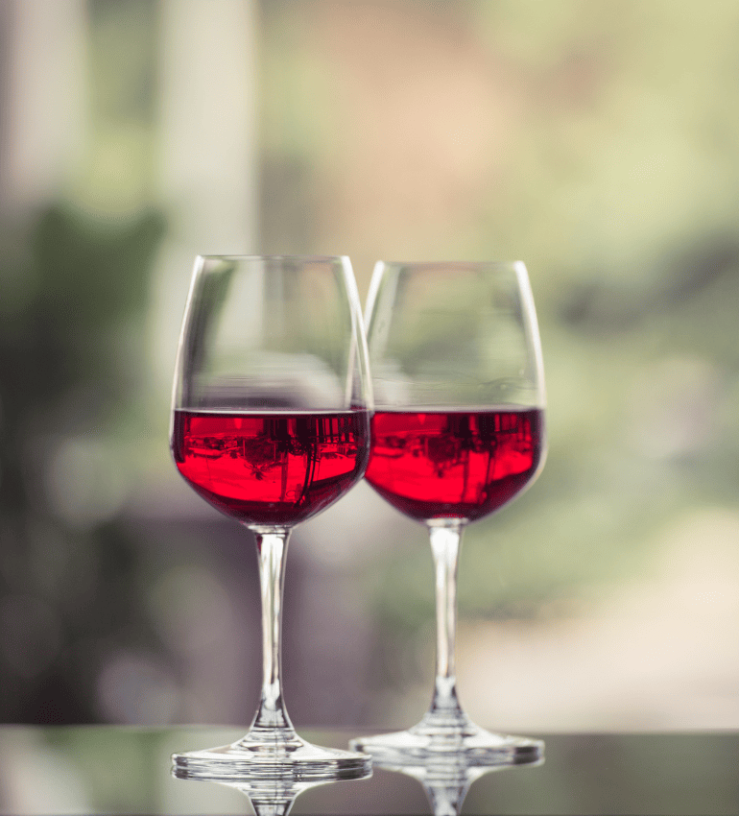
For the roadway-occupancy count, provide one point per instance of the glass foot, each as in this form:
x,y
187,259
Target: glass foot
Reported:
x,y
290,761
437,738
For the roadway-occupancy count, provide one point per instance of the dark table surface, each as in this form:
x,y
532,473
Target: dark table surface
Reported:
x,y
102,769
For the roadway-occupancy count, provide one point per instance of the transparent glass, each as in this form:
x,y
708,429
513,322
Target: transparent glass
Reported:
x,y
270,424
458,431
271,796
446,777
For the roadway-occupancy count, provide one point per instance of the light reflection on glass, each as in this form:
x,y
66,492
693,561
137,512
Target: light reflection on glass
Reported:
x,y
269,797
446,777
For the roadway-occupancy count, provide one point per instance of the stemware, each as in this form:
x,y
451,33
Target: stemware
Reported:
x,y
458,431
270,425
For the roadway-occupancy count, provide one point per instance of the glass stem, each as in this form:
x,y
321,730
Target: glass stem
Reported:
x,y
445,542
271,720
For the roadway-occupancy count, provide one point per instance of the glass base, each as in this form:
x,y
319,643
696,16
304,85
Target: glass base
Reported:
x,y
255,760
438,738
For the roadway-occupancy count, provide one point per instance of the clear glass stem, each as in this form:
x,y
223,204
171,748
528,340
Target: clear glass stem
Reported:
x,y
271,764
446,743
271,721
445,543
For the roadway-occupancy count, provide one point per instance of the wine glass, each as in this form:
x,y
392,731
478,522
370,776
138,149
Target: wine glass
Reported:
x,y
271,426
458,431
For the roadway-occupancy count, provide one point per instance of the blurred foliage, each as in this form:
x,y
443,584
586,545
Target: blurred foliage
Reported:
x,y
596,141
74,294
119,171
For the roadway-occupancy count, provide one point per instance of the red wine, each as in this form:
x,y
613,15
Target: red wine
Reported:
x,y
271,468
454,464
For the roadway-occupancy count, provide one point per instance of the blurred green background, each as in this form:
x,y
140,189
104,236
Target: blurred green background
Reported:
x,y
597,140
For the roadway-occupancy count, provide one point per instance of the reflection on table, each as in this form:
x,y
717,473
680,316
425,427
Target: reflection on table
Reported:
x,y
113,770
272,797
446,776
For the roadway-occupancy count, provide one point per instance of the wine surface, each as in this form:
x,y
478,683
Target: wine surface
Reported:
x,y
272,468
454,464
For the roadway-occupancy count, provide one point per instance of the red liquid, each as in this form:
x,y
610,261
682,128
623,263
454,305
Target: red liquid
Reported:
x,y
272,469
454,464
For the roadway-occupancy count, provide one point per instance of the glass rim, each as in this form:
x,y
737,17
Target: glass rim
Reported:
x,y
458,263
238,257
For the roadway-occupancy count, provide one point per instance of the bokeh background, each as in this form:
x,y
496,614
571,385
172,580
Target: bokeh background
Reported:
x,y
598,140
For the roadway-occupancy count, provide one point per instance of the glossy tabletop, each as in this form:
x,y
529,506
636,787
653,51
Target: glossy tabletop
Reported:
x,y
101,769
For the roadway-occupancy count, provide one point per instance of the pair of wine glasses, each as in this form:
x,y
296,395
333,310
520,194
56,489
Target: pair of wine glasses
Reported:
x,y
282,403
